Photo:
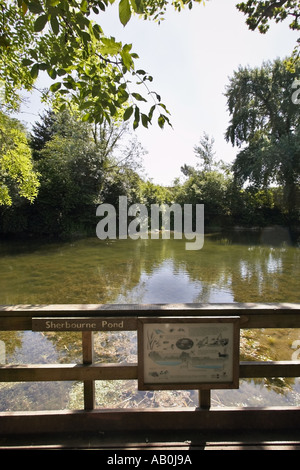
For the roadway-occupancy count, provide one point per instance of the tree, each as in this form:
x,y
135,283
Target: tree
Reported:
x,y
17,177
152,193
266,121
113,142
81,165
207,183
261,13
208,188
206,155
260,103
42,132
204,151
90,70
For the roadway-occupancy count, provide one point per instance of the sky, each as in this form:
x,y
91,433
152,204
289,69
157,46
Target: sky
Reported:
x,y
191,56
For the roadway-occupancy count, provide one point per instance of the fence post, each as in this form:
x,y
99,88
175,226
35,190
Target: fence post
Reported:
x,y
88,358
204,399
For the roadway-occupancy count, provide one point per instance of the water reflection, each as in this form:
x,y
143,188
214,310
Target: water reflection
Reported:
x,y
149,271
169,283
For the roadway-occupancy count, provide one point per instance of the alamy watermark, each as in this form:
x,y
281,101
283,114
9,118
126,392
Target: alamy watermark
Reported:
x,y
296,94
135,222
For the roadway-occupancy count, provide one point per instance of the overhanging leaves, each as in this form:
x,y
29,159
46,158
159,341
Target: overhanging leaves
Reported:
x,y
92,72
110,46
128,113
40,23
124,11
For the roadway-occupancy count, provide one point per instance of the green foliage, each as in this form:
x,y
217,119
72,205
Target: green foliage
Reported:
x,y
152,193
80,166
260,103
220,189
205,153
264,118
17,177
261,13
42,132
207,183
17,41
124,11
208,188
90,71
252,207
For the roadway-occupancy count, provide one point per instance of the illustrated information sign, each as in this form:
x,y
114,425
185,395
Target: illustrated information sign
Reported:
x,y
188,353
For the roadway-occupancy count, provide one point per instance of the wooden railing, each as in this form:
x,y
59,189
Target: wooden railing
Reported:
x,y
125,317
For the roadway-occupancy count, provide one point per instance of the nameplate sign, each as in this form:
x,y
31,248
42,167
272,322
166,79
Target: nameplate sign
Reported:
x,y
84,324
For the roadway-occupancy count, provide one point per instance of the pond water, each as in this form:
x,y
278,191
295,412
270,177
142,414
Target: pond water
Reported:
x,y
241,266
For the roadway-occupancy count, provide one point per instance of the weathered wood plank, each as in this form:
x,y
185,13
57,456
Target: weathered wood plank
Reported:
x,y
284,315
229,419
270,369
15,323
66,372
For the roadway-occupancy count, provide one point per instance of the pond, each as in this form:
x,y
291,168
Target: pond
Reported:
x,y
239,266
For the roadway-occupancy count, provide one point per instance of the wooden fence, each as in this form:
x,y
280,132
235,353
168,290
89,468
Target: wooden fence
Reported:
x,y
125,317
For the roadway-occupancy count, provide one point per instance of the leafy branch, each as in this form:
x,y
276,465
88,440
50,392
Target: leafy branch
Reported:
x,y
259,14
89,70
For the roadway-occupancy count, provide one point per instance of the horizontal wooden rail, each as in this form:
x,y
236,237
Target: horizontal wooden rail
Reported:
x,y
66,372
171,420
269,369
252,315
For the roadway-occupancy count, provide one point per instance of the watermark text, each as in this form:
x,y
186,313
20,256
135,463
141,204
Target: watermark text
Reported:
x,y
135,222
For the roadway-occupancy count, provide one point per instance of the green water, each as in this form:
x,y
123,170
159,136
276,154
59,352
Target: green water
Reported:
x,y
235,267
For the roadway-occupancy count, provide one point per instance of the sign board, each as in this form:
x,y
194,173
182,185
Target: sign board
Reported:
x,y
188,353
84,324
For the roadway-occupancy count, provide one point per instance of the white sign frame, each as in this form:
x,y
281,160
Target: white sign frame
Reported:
x,y
188,353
